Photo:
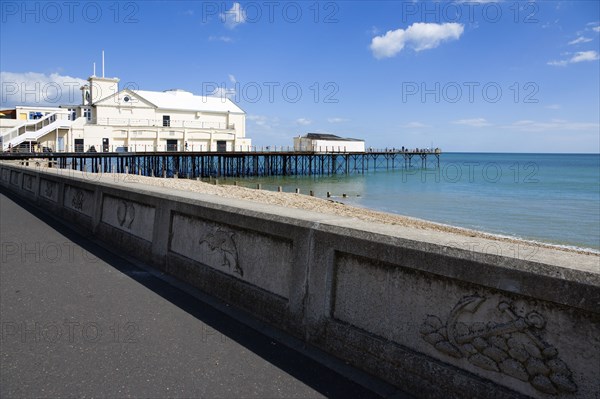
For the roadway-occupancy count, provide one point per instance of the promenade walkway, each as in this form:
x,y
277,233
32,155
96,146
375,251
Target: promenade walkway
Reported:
x,y
79,321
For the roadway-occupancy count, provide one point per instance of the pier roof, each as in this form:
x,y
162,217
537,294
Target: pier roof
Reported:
x,y
327,136
183,100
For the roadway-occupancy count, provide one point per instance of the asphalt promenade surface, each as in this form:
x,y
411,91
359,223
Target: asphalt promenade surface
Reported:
x,y
79,321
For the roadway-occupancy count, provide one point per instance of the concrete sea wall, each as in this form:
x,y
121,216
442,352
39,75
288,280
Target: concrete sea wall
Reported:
x,y
438,315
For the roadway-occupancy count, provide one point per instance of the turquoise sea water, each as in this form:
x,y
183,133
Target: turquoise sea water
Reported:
x,y
553,198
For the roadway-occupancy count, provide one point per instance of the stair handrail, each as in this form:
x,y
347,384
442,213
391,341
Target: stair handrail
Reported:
x,y
35,134
14,132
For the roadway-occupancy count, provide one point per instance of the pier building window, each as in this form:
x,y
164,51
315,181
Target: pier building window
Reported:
x,y
72,114
166,120
87,113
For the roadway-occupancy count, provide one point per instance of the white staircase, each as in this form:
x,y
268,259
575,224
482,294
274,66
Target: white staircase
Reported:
x,y
35,129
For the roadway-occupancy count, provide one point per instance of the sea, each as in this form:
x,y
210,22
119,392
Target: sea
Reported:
x,y
550,198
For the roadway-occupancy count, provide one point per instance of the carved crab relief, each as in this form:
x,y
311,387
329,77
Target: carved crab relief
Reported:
x,y
125,214
77,200
512,346
222,240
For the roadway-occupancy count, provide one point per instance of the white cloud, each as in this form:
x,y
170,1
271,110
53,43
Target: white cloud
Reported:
x,y
336,120
223,93
580,39
479,1
580,56
262,121
234,16
553,124
549,24
585,56
303,121
373,31
475,122
415,125
419,36
596,29
225,39
258,119
553,106
32,88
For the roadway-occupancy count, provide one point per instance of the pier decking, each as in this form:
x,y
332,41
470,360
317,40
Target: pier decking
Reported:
x,y
237,164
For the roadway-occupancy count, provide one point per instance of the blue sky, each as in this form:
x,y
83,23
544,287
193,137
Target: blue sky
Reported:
x,y
466,76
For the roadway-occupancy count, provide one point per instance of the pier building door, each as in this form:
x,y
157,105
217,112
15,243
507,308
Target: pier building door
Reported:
x,y
78,145
221,146
60,144
171,145
105,145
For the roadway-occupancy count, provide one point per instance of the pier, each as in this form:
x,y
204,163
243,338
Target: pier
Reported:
x,y
235,164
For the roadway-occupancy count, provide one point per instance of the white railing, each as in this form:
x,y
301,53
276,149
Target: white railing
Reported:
x,y
11,134
31,126
25,127
48,126
161,123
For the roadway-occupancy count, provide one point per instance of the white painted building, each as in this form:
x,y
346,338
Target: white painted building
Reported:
x,y
110,119
321,142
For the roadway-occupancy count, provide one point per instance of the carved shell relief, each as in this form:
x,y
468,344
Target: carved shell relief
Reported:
x,y
28,182
48,188
77,200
